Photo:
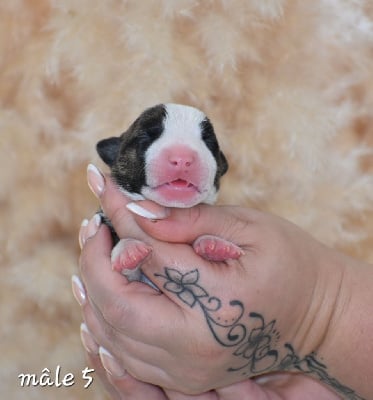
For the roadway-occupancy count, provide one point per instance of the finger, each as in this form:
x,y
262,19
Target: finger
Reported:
x,y
130,388
113,203
95,266
186,225
142,371
94,362
121,387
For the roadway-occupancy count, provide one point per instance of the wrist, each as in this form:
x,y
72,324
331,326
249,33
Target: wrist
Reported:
x,y
343,328
318,302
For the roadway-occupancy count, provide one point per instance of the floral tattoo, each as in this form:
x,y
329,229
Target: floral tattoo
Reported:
x,y
253,340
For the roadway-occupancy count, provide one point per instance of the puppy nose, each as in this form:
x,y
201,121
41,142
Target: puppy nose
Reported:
x,y
181,157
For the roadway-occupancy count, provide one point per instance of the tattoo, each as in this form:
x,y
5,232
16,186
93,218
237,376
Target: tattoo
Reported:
x,y
311,366
255,341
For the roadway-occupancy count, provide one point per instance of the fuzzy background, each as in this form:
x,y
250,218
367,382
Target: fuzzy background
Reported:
x,y
287,83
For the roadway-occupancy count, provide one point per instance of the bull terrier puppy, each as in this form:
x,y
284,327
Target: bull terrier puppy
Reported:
x,y
169,155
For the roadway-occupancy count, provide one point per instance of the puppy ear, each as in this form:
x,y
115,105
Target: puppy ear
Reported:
x,y
222,164
108,149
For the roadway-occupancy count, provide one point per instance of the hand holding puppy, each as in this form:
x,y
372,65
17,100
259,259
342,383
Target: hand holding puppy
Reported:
x,y
276,309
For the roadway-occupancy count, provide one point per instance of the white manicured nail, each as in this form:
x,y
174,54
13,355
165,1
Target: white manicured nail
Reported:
x,y
110,364
78,290
82,232
145,213
87,339
96,180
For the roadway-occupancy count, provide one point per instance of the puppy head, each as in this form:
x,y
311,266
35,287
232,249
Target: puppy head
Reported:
x,y
170,155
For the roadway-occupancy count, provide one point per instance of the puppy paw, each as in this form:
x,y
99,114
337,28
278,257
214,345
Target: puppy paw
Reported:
x,y
128,255
213,248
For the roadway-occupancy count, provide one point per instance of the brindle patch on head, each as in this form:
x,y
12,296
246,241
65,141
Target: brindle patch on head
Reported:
x,y
128,170
146,129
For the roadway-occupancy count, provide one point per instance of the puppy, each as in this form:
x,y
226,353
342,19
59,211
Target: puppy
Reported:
x,y
169,155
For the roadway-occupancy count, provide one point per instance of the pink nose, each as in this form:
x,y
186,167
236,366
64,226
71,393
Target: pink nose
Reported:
x,y
181,157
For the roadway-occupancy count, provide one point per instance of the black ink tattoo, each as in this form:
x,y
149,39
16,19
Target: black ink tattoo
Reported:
x,y
311,366
258,348
254,340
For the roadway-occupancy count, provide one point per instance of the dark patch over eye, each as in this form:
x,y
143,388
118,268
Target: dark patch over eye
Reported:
x,y
149,126
155,131
208,136
148,135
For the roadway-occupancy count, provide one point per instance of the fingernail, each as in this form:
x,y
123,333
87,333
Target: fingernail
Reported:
x,y
92,227
160,213
78,290
82,233
110,364
88,342
96,180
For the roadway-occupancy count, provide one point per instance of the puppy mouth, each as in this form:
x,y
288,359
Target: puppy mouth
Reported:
x,y
181,184
175,193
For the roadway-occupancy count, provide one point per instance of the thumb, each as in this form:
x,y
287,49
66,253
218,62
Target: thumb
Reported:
x,y
184,225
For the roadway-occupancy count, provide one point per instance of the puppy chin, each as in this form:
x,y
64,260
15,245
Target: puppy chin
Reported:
x,y
178,198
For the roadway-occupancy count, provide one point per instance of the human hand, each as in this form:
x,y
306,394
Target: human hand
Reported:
x,y
122,386
226,304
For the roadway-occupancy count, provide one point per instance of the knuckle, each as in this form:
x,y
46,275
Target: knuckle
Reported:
x,y
117,216
110,334
114,312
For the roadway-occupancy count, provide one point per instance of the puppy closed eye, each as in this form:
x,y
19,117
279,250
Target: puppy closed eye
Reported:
x,y
148,136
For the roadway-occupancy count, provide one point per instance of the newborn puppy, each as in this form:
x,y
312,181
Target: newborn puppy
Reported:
x,y
169,155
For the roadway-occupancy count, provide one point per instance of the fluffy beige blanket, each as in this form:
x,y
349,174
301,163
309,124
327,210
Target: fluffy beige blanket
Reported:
x,y
288,85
